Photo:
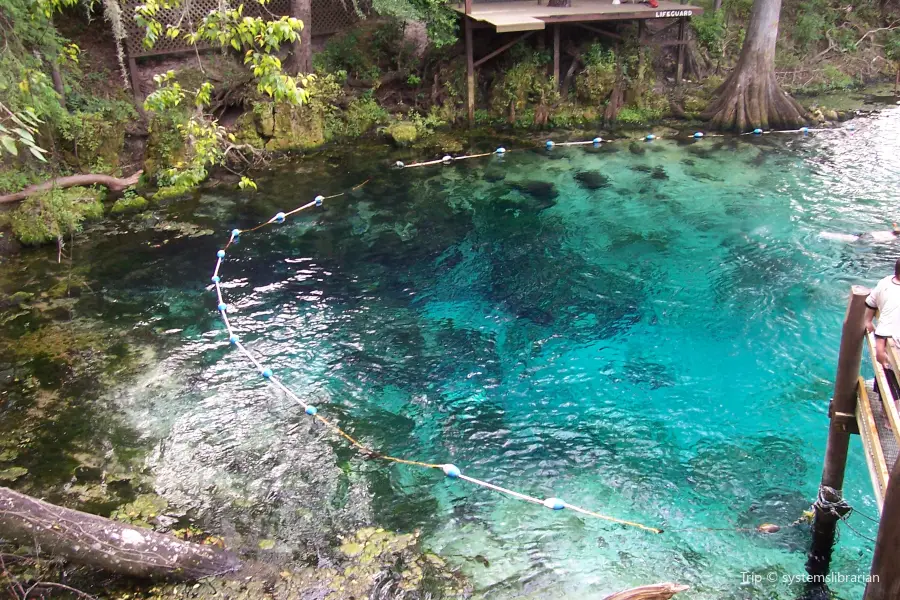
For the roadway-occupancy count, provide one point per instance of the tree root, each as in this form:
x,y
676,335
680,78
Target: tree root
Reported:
x,y
114,184
750,100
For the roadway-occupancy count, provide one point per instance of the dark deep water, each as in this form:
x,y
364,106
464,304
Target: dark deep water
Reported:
x,y
646,330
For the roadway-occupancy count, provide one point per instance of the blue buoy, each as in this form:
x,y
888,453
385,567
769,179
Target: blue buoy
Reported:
x,y
804,130
399,164
216,279
757,131
501,151
222,307
549,144
554,504
698,135
220,254
447,159
851,127
597,141
311,410
233,339
235,233
319,200
279,218
650,137
267,373
451,471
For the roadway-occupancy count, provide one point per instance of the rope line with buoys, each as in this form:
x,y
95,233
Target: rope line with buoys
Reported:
x,y
450,470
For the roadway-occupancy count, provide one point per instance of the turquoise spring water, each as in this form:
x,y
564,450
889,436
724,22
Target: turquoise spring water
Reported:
x,y
646,330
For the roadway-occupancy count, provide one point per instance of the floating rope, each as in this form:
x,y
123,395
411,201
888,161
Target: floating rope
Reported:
x,y
451,471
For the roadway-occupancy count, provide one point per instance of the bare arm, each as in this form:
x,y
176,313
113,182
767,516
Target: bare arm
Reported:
x,y
870,315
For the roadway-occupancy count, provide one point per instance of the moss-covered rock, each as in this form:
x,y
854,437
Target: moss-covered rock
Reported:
x,y
93,141
403,133
52,215
166,145
129,203
246,132
295,128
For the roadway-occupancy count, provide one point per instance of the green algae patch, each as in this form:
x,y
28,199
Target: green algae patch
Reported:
x,y
129,203
141,511
12,473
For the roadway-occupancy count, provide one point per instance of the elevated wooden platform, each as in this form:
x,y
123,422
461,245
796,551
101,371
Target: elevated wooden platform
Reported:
x,y
523,15
878,421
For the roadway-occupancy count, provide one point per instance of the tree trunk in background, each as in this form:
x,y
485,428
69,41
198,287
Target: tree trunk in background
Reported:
x,y
301,53
109,545
717,5
751,97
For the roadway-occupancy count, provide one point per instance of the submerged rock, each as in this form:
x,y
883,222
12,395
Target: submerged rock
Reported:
x,y
659,173
592,180
539,190
641,168
637,149
493,174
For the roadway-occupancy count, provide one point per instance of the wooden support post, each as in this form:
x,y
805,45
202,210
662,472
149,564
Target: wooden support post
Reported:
x,y
885,580
556,54
468,7
135,83
682,32
470,68
843,401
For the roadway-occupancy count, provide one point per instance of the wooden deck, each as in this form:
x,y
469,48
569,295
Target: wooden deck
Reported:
x,y
878,422
524,15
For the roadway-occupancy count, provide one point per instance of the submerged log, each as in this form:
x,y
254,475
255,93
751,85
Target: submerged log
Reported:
x,y
114,184
106,544
658,591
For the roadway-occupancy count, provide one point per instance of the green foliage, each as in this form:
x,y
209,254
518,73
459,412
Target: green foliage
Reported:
x,y
95,139
440,20
892,46
710,30
633,115
596,81
362,115
523,83
129,202
366,51
53,215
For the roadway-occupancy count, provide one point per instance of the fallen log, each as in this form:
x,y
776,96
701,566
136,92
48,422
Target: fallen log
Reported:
x,y
658,591
106,544
114,184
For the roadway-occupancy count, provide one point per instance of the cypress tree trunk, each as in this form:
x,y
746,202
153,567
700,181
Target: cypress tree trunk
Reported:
x,y
109,545
301,53
751,97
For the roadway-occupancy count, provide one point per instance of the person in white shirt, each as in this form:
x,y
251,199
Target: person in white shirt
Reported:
x,y
868,237
885,299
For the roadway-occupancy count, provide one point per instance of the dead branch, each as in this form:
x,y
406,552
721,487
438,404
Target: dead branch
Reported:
x,y
890,27
114,184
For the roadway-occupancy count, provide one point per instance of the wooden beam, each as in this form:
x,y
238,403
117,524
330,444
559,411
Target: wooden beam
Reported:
x,y
609,34
884,583
682,33
470,71
556,55
501,49
664,30
868,433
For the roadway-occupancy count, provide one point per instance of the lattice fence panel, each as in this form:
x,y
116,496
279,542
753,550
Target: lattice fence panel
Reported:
x,y
328,16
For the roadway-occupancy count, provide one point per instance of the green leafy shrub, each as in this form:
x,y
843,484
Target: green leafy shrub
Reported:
x,y
710,31
93,138
52,215
524,83
597,79
129,202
